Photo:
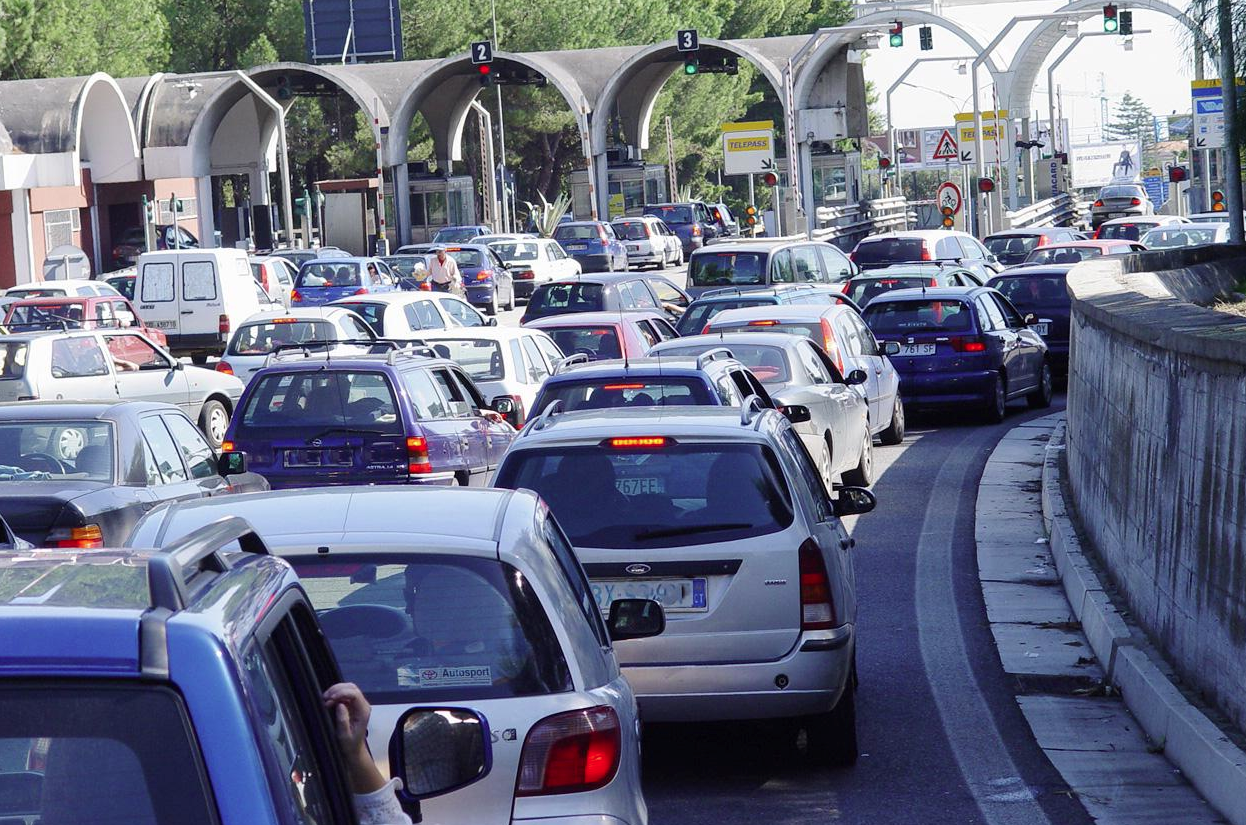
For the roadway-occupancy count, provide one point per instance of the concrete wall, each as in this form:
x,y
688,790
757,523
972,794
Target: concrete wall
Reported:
x,y
1157,452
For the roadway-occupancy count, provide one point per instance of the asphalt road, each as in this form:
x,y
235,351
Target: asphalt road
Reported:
x,y
941,736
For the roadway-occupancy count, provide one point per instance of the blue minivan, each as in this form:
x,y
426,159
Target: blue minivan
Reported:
x,y
399,418
324,280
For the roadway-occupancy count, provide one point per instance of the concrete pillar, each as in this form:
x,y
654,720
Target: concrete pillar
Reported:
x,y
261,208
207,211
599,172
23,242
402,202
809,198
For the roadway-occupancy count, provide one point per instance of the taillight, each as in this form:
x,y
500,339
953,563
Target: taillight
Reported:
x,y
1135,201
223,366
570,753
763,323
1098,202
601,235
847,287
817,605
484,274
417,456
363,290
264,278
222,324
295,297
926,252
525,275
696,230
965,343
643,442
88,537
426,286
829,344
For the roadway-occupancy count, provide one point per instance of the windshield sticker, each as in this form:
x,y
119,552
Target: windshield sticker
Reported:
x,y
441,676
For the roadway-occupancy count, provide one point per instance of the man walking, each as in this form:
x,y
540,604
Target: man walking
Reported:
x,y
443,273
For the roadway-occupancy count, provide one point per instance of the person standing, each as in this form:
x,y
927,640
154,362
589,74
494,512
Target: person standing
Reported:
x,y
443,273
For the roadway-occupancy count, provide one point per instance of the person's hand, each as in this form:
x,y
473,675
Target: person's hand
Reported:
x,y
350,712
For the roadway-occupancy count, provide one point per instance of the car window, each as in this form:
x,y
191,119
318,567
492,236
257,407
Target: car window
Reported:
x,y
808,266
549,299
665,331
714,268
474,399
598,342
163,449
869,347
462,314
989,315
627,300
302,404
77,358
573,571
885,250
834,263
813,364
552,354
124,315
536,362
427,315
481,358
782,270
730,394
459,406
198,455
426,399
357,329
263,337
132,353
647,332
198,281
613,393
918,315
946,249
642,295
822,509
971,249
667,293
157,283
1012,318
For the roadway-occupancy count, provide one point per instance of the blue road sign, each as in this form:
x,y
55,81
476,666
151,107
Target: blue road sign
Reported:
x,y
359,30
1156,189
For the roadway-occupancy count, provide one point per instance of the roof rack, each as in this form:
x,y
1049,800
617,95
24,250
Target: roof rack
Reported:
x,y
713,355
753,404
374,345
546,417
413,349
571,361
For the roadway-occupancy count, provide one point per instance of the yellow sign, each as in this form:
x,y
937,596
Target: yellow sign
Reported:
x,y
749,126
748,144
1213,84
961,117
617,207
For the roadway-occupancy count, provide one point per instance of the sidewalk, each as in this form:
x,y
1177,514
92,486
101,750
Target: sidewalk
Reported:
x,y
1054,650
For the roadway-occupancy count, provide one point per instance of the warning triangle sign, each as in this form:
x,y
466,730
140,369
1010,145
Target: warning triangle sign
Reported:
x,y
945,149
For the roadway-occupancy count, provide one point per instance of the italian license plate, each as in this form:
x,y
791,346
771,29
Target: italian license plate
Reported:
x,y
917,349
164,324
577,246
640,486
635,247
1116,214
1041,329
687,595
340,457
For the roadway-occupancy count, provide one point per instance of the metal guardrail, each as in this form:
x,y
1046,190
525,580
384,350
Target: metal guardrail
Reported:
x,y
1056,211
845,225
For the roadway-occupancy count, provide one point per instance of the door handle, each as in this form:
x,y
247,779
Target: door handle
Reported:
x,y
188,312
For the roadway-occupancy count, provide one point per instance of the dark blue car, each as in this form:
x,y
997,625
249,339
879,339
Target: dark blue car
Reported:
x,y
486,278
593,244
1043,292
399,418
962,347
324,280
693,222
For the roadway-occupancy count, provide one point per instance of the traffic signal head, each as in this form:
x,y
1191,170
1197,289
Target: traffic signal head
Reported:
x,y
986,185
926,38
1176,174
1111,23
1126,19
1217,201
949,217
486,73
690,65
750,215
884,162
897,34
770,179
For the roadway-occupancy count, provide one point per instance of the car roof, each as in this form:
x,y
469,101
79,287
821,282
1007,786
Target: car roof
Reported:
x,y
65,282
379,361
579,319
903,270
1034,269
325,312
57,300
498,333
582,223
1093,243
597,278
924,234
682,365
61,410
726,338
338,260
778,312
1159,219
403,297
1023,231
747,246
937,293
32,334
1214,226
593,426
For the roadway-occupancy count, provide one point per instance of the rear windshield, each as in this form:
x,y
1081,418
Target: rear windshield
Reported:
x,y
631,230
1012,245
326,273
12,360
810,330
672,214
1172,238
515,251
57,740
33,317
373,314
455,235
900,317
430,628
1122,192
466,257
1062,254
888,250
572,297
1122,231
481,359
671,496
727,269
1030,290
123,284
598,394
864,290
48,450
263,338
768,363
577,232
598,343
700,313
323,402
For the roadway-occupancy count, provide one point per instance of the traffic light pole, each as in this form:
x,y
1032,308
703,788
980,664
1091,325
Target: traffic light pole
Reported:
x,y
891,128
1232,137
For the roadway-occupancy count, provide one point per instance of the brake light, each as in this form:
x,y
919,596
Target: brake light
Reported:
x,y
88,537
484,275
222,324
817,604
1098,202
363,290
223,366
264,277
638,442
847,287
570,753
766,323
227,446
284,321
525,275
417,456
1135,201
831,346
962,343
926,252
295,297
623,387
426,286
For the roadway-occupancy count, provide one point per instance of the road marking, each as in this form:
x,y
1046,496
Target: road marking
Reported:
x,y
989,772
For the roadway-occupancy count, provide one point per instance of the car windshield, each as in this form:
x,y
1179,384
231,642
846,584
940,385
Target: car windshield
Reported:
x,y
672,215
631,230
1122,192
373,314
727,269
427,628
407,265
901,317
864,290
668,496
467,257
768,363
264,337
455,234
700,313
12,360
1062,254
1031,290
607,393
29,317
305,403
515,250
43,450
1172,238
872,251
577,232
551,299
326,273
1011,247
1121,231
597,342
50,755
481,358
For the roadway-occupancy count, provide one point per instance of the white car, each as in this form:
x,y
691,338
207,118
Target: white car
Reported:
x,y
404,316
261,334
276,275
432,596
534,261
69,287
649,242
508,364
1173,236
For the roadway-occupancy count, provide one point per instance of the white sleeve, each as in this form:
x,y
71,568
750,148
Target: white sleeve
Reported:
x,y
381,807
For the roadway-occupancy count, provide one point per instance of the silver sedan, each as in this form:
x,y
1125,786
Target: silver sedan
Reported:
x,y
796,373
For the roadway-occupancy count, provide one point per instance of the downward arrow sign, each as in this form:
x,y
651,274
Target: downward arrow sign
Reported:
x,y
966,156
767,164
1200,142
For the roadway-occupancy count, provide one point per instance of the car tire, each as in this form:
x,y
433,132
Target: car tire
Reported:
x,y
894,434
831,738
510,304
863,474
997,402
1040,399
491,308
214,422
825,463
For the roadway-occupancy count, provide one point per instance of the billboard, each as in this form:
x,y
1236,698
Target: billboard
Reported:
x,y
1101,163
352,31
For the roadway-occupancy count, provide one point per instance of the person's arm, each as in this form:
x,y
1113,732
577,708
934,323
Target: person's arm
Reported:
x,y
375,801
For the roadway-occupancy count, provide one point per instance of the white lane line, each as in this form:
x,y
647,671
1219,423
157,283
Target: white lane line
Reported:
x,y
984,762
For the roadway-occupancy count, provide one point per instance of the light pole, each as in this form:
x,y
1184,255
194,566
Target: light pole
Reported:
x,y
891,127
1232,134
501,171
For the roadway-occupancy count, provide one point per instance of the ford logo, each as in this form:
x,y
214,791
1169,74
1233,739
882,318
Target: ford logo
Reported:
x,y
638,569
315,442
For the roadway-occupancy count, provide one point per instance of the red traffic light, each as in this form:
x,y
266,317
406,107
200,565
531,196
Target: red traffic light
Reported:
x,y
770,179
1177,174
884,163
986,185
484,69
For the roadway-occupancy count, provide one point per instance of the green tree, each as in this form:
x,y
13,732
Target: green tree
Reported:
x,y
1134,121
211,35
66,38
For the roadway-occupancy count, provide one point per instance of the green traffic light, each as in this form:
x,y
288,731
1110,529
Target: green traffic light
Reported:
x,y
897,40
1110,25
690,67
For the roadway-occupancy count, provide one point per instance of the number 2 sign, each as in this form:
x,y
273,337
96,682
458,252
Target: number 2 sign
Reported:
x,y
482,52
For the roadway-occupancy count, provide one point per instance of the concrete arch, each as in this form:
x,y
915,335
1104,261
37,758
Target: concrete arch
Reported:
x,y
221,106
104,134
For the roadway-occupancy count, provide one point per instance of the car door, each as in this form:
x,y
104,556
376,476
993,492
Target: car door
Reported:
x,y
828,404
503,279
1030,348
463,416
497,433
460,313
144,373
1002,339
197,455
835,263
80,371
167,475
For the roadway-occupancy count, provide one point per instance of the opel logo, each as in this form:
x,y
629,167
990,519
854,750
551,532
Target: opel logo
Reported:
x,y
638,569
315,442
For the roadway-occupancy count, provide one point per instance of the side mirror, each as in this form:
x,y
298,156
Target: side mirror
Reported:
x,y
890,348
231,464
492,322
177,365
853,501
796,413
635,619
1030,319
437,750
855,377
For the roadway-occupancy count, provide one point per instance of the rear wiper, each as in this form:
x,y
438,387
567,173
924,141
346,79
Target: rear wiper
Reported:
x,y
688,530
347,430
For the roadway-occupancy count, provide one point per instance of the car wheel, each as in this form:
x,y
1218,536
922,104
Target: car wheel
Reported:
x,y
824,463
510,304
492,307
1040,399
997,403
214,422
831,738
863,474
894,434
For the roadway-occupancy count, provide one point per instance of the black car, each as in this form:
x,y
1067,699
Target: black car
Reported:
x,y
606,292
1041,290
80,475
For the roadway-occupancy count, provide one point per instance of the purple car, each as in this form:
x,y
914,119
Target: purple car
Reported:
x,y
399,418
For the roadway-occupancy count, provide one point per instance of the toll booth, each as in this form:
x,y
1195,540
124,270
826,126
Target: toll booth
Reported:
x,y
631,185
836,177
437,202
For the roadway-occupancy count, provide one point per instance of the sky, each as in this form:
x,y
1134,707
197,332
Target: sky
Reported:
x,y
1158,70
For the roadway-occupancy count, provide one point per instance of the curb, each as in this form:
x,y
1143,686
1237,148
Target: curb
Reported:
x,y
1191,741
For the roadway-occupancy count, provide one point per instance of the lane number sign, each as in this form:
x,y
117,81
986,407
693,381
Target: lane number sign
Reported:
x,y
482,52
687,40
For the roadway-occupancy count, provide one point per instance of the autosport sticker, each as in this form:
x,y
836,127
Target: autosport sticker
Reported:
x,y
439,676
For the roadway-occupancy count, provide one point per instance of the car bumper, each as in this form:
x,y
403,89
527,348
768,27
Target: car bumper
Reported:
x,y
524,289
210,342
481,295
593,263
816,671
691,245
936,389
590,819
643,256
288,482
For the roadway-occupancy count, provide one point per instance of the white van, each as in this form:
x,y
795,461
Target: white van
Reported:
x,y
196,297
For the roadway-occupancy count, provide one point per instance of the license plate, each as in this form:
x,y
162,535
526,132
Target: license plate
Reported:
x,y
640,486
635,247
339,457
685,595
577,246
1041,329
163,324
1116,214
917,349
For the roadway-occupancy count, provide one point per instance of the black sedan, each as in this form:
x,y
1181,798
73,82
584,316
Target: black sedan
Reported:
x,y
81,475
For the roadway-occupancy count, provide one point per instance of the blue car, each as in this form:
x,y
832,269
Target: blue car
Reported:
x,y
460,234
593,244
184,686
324,280
962,347
486,278
400,418
1043,291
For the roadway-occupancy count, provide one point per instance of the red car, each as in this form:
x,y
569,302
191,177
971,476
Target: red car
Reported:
x,y
84,312
603,335
1077,251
